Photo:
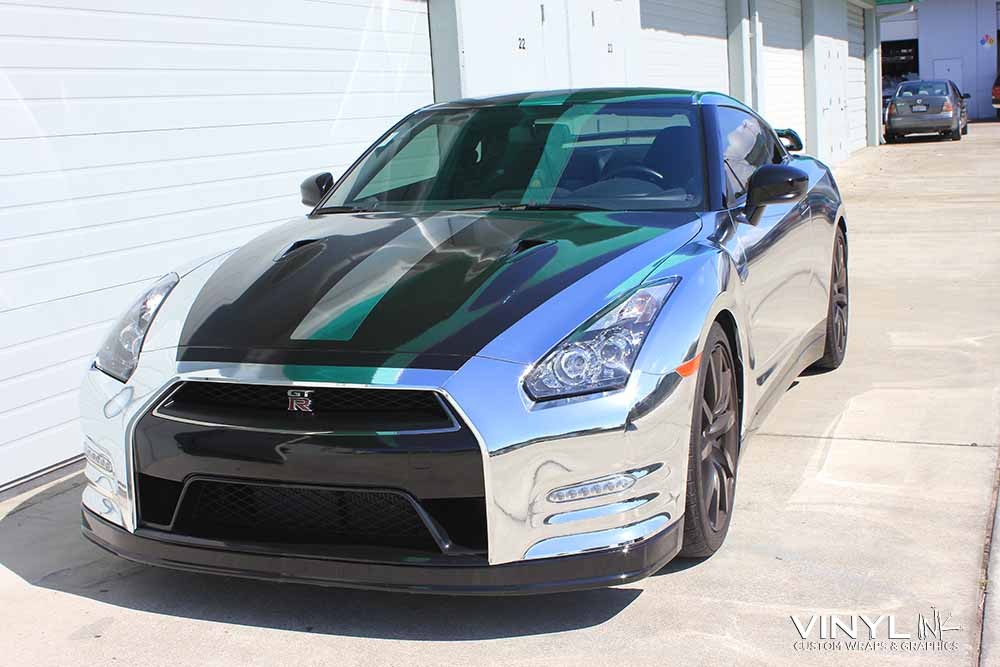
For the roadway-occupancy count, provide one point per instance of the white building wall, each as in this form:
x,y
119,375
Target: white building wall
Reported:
x,y
136,137
950,30
685,44
900,26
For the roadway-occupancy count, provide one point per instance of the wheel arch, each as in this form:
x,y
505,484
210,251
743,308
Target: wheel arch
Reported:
x,y
727,321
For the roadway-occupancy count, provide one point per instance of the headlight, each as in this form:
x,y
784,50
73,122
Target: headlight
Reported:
x,y
119,355
599,355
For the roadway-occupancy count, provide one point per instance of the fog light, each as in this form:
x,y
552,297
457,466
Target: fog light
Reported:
x,y
592,489
97,458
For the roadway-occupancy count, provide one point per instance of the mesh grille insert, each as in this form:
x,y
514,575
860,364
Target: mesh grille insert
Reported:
x,y
301,515
325,409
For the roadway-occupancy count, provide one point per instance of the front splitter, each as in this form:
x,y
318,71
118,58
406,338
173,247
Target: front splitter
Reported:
x,y
598,569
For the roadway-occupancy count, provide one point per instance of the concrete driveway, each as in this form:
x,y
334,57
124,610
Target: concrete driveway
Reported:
x,y
870,490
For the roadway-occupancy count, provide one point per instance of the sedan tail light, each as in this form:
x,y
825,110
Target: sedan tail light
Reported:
x,y
892,108
948,106
996,92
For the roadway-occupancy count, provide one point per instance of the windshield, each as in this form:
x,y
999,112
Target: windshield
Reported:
x,y
924,88
630,155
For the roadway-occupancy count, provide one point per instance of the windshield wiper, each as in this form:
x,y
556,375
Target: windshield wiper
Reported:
x,y
347,209
500,206
558,207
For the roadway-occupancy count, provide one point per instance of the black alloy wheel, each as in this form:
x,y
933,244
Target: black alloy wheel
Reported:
x,y
715,450
838,311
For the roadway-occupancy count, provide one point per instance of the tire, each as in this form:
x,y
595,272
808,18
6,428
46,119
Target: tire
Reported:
x,y
714,450
838,309
965,129
956,134
891,138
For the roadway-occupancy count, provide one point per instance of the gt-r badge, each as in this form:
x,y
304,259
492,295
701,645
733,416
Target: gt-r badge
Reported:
x,y
299,401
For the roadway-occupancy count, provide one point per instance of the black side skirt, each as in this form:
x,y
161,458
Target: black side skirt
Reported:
x,y
609,567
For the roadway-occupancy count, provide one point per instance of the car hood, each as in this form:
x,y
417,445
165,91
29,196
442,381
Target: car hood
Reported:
x,y
428,291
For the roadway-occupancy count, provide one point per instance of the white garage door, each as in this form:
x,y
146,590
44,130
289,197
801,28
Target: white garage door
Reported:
x,y
136,137
684,45
782,77
857,82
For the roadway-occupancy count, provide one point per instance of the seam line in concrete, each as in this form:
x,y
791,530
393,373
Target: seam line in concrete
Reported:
x,y
984,580
865,439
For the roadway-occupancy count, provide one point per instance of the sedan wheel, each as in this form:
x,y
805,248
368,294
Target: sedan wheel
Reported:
x,y
715,449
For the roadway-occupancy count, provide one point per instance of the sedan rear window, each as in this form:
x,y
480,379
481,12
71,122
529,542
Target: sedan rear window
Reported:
x,y
922,88
628,155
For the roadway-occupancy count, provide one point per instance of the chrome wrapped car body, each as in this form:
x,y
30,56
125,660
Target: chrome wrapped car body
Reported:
x,y
460,306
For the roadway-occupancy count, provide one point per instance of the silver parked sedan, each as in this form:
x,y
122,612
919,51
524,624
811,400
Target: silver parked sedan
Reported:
x,y
927,107
517,347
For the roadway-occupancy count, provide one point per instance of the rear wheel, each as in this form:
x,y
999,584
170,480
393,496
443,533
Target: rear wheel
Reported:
x,y
838,310
715,449
956,134
891,138
965,129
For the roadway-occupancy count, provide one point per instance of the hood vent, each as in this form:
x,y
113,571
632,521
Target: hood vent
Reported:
x,y
524,245
292,247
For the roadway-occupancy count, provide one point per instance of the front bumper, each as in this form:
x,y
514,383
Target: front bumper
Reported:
x,y
918,123
608,567
526,450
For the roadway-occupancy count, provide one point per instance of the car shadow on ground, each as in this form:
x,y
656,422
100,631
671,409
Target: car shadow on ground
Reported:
x,y
40,542
918,139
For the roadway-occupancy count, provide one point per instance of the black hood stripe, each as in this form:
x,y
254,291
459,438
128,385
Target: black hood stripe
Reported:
x,y
385,290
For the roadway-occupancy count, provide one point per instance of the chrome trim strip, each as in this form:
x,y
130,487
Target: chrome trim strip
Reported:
x,y
455,426
487,481
131,474
612,538
599,511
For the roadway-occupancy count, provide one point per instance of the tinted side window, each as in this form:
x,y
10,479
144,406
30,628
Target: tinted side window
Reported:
x,y
746,145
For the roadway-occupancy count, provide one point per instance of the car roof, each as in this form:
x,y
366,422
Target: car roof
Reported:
x,y
594,95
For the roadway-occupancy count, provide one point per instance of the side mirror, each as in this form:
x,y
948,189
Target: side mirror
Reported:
x,y
774,184
314,187
790,139
966,96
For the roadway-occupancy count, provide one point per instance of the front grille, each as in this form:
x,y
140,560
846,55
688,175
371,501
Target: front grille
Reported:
x,y
271,513
330,409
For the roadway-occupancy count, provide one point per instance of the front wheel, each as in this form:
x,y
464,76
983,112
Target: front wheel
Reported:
x,y
838,308
715,449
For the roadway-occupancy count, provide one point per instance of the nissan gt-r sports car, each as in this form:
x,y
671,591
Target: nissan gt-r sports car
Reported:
x,y
515,348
